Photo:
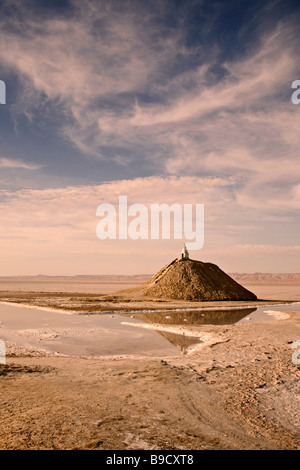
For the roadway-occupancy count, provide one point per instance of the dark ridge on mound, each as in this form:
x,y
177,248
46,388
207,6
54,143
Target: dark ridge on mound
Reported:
x,y
186,279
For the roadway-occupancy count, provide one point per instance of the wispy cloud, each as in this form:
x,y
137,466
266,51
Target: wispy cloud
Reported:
x,y
17,164
111,71
50,226
88,63
127,88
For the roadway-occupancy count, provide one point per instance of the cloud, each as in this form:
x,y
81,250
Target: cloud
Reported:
x,y
117,79
127,89
100,64
59,218
83,63
17,164
41,226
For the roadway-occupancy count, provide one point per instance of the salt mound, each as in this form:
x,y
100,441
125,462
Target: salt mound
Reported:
x,y
186,279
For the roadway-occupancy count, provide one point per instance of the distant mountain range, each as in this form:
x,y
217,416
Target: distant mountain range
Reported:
x,y
267,278
243,278
80,278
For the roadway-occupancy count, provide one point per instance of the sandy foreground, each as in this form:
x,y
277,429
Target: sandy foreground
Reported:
x,y
237,389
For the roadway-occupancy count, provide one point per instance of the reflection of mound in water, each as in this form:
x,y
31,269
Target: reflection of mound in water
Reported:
x,y
186,279
211,317
180,341
207,317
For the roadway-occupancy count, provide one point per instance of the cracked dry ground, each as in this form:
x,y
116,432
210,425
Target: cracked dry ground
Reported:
x,y
242,393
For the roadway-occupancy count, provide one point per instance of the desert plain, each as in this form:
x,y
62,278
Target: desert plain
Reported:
x,y
195,386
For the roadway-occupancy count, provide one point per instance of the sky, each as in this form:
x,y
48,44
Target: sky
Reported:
x,y
184,102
